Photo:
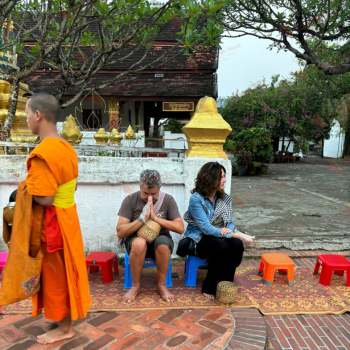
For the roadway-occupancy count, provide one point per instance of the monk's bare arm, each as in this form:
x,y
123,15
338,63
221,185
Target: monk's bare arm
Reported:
x,y
126,228
45,201
176,225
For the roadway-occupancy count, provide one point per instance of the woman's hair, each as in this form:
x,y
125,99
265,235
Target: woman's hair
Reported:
x,y
208,180
13,196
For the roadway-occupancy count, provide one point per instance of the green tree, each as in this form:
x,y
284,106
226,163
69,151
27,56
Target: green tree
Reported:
x,y
290,24
62,34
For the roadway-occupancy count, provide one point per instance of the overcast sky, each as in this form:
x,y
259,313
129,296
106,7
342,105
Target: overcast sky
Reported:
x,y
245,61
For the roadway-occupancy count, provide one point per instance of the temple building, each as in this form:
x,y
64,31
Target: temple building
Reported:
x,y
143,98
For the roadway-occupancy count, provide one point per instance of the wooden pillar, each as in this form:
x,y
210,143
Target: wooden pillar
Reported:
x,y
113,112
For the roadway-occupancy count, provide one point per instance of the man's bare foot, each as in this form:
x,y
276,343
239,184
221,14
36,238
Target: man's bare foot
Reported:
x,y
55,335
165,294
209,296
130,296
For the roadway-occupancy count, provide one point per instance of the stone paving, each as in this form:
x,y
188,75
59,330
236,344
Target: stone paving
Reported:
x,y
190,329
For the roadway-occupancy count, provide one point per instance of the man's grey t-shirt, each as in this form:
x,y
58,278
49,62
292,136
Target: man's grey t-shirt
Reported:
x,y
132,206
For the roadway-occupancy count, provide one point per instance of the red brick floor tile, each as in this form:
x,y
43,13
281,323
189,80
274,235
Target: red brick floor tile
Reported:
x,y
224,340
75,343
177,341
102,318
171,315
142,331
114,330
126,342
3,343
227,321
212,326
149,316
163,328
47,346
23,345
126,317
203,340
12,334
34,330
280,336
216,314
213,347
9,319
158,338
101,343
89,331
194,315
145,345
187,327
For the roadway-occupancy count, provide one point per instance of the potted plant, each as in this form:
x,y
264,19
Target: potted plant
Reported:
x,y
244,159
253,167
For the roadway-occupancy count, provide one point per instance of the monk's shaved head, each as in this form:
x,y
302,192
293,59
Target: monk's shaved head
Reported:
x,y
47,105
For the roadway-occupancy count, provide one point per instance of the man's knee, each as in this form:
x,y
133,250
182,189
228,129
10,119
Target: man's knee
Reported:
x,y
163,249
139,245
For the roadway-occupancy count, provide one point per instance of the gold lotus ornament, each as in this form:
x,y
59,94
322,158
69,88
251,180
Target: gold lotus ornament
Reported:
x,y
129,134
115,137
101,137
206,132
71,132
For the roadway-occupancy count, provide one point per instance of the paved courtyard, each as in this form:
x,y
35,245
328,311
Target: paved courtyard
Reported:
x,y
305,203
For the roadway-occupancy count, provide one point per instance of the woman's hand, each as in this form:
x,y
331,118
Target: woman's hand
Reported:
x,y
224,231
246,239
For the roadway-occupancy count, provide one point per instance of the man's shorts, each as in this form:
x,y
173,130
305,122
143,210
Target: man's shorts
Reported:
x,y
164,239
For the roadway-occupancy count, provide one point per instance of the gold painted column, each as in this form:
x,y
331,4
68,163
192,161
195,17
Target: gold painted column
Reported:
x,y
206,132
113,112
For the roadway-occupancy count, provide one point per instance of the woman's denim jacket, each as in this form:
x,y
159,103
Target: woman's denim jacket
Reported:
x,y
201,210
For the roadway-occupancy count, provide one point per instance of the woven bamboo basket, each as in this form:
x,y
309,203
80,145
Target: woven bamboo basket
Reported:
x,y
226,292
149,231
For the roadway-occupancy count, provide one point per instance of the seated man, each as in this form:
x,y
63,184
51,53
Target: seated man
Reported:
x,y
135,210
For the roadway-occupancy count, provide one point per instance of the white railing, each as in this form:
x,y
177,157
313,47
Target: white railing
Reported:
x,y
112,150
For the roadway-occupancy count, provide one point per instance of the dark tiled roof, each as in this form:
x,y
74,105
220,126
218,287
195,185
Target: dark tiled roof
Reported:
x,y
142,85
168,32
201,59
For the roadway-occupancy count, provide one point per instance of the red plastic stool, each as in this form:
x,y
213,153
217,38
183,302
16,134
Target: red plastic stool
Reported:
x,y
330,263
104,260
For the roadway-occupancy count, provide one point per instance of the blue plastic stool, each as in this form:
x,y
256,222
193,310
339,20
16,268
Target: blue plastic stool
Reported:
x,y
191,267
148,263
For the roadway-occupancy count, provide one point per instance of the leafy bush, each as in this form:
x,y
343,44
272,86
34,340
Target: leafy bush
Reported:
x,y
174,126
286,107
257,141
243,157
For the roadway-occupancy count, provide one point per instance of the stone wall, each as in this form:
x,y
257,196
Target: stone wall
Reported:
x,y
104,182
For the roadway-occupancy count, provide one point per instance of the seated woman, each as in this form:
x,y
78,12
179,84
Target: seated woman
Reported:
x,y
210,225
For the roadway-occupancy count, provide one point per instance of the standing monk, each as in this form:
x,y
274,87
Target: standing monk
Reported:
x,y
52,175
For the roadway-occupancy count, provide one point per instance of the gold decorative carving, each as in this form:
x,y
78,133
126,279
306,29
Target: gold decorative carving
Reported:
x,y
101,137
20,131
115,137
129,134
206,132
71,132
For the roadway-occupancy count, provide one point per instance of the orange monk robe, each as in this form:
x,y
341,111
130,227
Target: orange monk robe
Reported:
x,y
64,281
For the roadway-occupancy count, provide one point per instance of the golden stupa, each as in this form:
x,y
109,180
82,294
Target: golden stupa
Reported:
x,y
129,134
115,137
101,137
71,132
206,132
